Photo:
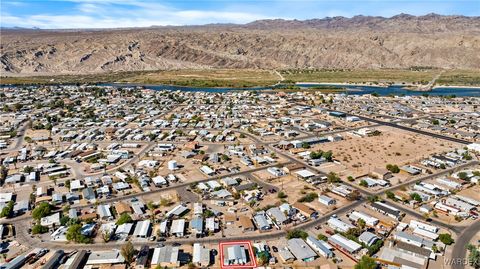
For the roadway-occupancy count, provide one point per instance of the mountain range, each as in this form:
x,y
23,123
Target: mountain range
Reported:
x,y
360,42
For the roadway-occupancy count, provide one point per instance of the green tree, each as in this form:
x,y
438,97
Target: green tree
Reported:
x,y
415,196
463,175
310,197
322,237
7,210
124,218
474,256
42,210
28,169
390,195
128,252
39,229
361,223
282,195
332,178
328,155
366,262
297,234
446,239
363,183
74,234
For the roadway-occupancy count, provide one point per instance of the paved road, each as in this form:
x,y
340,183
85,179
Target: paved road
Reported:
x,y
459,251
255,237
20,138
395,125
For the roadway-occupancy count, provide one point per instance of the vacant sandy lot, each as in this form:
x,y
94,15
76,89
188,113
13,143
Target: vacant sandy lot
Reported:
x,y
361,155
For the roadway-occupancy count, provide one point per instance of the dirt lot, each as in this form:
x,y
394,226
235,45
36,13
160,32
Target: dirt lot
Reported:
x,y
361,155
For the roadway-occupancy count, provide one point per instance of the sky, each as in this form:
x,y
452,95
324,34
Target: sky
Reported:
x,y
67,14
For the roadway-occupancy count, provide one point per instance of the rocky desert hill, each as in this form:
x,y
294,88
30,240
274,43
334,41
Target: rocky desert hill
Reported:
x,y
401,41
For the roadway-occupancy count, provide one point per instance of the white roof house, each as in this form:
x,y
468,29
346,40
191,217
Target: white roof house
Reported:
x,y
325,200
51,220
305,174
344,243
339,225
177,211
319,247
369,220
159,180
105,257
76,185
178,227
301,250
207,170
166,255
104,211
236,255
201,255
142,229
418,224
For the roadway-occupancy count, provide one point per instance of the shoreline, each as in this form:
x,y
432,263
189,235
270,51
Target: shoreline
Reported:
x,y
260,87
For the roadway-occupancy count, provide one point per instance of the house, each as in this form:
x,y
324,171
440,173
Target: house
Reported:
x,y
104,212
88,194
159,181
369,220
196,225
21,207
261,221
177,211
305,210
142,229
277,216
122,231
236,255
285,255
304,174
121,208
319,247
78,260
76,185
339,225
275,171
105,258
327,201
55,260
211,224
368,238
178,227
207,170
301,250
386,209
229,219
413,239
381,173
142,258
246,223
200,255
345,244
50,221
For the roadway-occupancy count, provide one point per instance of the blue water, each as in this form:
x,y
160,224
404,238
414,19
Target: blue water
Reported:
x,y
353,90
398,90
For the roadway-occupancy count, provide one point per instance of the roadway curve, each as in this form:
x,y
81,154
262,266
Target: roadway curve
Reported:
x,y
459,251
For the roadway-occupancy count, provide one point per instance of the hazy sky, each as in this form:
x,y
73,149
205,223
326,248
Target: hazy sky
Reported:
x,y
135,13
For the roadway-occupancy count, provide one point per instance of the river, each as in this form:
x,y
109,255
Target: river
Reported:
x,y
351,89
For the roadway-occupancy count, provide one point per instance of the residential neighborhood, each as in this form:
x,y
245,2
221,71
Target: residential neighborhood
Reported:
x,y
129,177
